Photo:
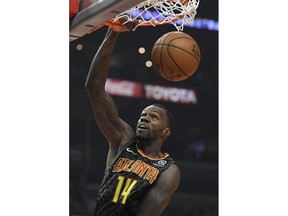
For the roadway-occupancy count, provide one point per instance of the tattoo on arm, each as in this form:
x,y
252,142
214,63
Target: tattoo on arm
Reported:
x,y
105,110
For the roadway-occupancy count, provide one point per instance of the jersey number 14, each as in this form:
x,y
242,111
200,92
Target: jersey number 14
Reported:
x,y
123,189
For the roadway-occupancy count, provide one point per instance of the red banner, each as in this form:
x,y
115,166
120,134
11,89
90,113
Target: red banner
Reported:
x,y
123,88
153,92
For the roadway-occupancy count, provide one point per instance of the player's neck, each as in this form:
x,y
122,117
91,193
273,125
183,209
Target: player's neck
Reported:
x,y
151,150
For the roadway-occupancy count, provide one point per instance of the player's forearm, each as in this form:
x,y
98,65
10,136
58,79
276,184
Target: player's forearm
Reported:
x,y
99,68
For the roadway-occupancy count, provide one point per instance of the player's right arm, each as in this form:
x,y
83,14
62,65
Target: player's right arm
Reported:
x,y
116,131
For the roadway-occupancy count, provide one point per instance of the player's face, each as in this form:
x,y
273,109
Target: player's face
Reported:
x,y
152,122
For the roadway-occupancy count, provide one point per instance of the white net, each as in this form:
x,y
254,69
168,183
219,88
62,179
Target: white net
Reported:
x,y
158,12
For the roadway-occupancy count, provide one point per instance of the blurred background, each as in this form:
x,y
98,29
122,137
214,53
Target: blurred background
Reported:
x,y
194,142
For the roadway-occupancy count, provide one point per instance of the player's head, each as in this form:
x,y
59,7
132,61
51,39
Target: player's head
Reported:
x,y
155,123
169,115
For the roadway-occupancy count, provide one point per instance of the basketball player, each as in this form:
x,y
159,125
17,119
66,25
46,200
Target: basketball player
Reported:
x,y
139,179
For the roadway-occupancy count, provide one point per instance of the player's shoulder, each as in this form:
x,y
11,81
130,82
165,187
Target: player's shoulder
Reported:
x,y
171,173
174,169
169,180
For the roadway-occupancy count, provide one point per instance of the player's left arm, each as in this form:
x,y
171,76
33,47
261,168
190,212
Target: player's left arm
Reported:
x,y
158,197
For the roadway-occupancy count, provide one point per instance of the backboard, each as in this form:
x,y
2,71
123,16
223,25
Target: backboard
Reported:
x,y
91,16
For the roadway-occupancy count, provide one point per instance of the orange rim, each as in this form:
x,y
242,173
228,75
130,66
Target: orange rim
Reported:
x,y
117,23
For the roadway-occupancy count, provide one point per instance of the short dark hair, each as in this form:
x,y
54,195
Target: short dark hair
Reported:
x,y
169,114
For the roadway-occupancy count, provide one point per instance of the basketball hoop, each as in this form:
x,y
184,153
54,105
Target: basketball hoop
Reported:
x,y
159,12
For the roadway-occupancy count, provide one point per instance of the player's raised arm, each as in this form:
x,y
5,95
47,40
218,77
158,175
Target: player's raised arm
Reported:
x,y
113,128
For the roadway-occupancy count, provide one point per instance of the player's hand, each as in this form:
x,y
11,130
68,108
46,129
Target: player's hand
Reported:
x,y
125,25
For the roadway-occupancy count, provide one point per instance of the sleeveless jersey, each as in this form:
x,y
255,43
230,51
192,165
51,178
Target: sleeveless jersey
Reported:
x,y
127,180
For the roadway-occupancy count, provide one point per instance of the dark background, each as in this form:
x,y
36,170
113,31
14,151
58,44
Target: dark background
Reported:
x,y
194,143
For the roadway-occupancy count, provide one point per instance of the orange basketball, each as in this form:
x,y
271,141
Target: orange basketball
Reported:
x,y
176,56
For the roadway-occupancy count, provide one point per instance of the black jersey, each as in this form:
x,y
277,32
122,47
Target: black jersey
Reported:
x,y
127,179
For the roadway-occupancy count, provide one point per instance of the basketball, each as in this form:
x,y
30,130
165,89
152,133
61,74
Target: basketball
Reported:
x,y
175,56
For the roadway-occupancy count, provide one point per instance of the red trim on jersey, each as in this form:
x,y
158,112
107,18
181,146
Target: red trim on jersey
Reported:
x,y
151,158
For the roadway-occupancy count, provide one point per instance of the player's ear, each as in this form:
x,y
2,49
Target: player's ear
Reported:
x,y
167,132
